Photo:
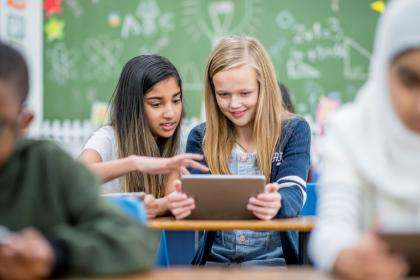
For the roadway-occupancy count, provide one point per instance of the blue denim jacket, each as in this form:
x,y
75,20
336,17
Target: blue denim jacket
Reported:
x,y
290,165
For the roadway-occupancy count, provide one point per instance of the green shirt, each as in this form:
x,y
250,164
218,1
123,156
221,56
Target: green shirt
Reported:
x,y
42,187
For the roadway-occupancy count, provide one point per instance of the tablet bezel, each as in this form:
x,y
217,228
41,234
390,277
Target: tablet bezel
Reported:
x,y
222,197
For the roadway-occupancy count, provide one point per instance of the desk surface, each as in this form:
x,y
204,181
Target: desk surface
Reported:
x,y
233,273
302,224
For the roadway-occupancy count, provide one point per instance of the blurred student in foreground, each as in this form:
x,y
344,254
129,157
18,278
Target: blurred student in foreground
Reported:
x,y
371,177
53,222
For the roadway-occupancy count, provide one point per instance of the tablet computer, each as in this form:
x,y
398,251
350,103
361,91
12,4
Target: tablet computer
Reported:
x,y
222,197
406,244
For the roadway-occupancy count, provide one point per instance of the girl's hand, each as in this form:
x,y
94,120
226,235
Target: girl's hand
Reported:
x,y
152,207
267,204
179,203
369,259
156,165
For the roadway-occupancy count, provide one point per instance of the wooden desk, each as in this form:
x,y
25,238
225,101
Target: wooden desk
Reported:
x,y
231,274
301,224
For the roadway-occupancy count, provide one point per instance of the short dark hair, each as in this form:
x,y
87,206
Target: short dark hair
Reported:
x,y
13,69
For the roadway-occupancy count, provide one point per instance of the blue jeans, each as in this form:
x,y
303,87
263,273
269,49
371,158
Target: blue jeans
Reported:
x,y
246,248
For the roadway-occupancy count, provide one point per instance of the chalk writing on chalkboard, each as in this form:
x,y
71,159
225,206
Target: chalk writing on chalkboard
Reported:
x,y
103,55
216,19
63,63
316,43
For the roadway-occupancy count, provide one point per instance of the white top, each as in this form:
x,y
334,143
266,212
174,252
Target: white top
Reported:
x,y
103,141
371,160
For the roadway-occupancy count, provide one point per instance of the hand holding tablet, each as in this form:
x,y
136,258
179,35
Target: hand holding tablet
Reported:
x,y
223,197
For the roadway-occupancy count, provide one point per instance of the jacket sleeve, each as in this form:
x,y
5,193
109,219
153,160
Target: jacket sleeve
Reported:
x,y
293,170
195,145
99,238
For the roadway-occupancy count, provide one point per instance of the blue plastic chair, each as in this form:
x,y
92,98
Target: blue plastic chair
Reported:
x,y
135,209
309,209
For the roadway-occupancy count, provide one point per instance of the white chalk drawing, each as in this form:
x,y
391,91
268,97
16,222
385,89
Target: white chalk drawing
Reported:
x,y
147,21
15,26
191,77
330,31
217,18
156,46
102,57
335,6
315,43
75,7
351,71
166,22
322,52
298,69
148,11
276,51
131,26
285,20
62,63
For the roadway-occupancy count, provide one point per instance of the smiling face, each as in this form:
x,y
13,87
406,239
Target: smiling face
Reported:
x,y
405,89
237,91
163,108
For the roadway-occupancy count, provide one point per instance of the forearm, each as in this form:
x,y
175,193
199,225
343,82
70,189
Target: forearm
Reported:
x,y
113,169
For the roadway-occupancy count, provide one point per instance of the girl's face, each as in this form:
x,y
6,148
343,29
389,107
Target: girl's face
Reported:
x,y
237,91
405,89
163,108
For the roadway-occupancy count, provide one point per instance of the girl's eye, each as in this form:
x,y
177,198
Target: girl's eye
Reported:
x,y
408,78
223,94
178,100
155,105
246,93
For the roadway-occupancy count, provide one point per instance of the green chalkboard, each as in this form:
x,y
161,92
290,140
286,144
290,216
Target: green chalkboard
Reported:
x,y
319,47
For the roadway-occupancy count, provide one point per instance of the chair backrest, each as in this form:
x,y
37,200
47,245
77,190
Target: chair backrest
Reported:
x,y
309,209
134,208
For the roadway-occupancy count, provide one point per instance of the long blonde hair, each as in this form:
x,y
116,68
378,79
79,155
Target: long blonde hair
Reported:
x,y
219,137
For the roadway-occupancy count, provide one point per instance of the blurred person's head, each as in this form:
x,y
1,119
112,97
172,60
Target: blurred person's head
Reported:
x,y
14,87
395,67
404,85
381,129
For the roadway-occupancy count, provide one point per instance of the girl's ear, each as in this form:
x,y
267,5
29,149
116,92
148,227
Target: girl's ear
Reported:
x,y
26,117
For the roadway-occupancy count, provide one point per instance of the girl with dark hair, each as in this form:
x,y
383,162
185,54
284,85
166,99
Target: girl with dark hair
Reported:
x,y
146,113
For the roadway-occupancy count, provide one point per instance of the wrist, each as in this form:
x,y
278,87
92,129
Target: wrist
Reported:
x,y
134,163
162,205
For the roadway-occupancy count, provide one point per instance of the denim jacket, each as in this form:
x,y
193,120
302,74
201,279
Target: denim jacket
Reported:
x,y
290,165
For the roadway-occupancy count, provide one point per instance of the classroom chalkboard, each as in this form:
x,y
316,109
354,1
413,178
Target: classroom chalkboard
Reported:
x,y
319,47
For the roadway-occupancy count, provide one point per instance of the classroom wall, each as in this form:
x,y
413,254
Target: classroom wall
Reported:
x,y
76,49
319,48
21,25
